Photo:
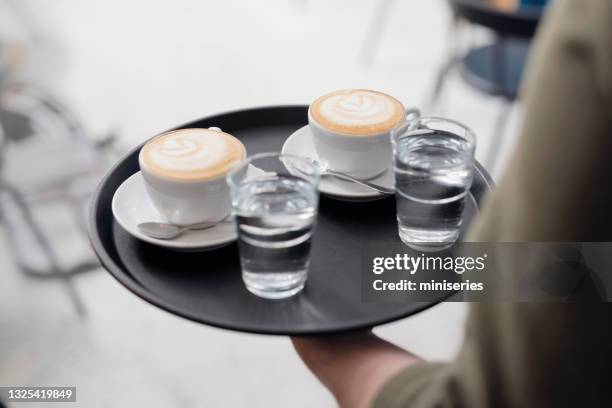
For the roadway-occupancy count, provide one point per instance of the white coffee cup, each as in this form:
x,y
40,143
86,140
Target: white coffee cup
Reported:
x,y
363,151
191,195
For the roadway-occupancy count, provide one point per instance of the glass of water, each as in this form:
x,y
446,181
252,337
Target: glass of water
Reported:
x,y
275,200
433,164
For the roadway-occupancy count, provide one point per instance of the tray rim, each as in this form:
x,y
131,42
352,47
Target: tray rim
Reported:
x,y
124,278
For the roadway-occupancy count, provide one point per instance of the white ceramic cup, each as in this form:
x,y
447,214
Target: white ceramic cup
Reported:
x,y
363,157
186,202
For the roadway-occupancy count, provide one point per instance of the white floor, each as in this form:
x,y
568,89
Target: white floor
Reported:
x,y
141,66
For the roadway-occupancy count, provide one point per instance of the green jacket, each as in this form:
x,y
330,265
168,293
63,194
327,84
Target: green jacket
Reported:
x,y
557,187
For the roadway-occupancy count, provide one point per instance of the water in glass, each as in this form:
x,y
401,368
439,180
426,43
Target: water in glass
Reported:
x,y
276,217
433,175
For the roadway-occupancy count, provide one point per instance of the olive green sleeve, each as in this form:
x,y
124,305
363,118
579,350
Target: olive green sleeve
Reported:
x,y
557,187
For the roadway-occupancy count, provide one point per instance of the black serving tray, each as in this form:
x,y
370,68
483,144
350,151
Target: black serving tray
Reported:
x,y
207,287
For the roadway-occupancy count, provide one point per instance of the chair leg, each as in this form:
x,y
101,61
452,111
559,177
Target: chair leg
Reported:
x,y
44,244
375,31
75,297
498,135
453,57
441,78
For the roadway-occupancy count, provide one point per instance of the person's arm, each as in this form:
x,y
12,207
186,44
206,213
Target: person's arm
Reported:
x,y
556,188
355,366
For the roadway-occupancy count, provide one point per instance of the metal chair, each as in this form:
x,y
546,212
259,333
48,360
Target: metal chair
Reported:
x,y
45,159
495,68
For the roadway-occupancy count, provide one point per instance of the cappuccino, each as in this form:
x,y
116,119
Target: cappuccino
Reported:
x,y
191,154
357,112
184,173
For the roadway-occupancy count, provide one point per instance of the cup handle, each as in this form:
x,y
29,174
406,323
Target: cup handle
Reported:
x,y
412,113
412,117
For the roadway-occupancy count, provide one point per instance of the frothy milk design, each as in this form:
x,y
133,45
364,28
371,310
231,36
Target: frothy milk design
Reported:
x,y
357,112
192,154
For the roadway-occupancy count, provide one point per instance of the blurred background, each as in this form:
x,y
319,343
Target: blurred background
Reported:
x,y
82,82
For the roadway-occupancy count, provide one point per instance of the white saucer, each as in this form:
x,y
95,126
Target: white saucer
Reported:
x,y
131,206
300,144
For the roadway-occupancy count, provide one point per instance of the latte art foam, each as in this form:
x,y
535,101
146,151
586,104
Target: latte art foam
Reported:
x,y
357,112
192,154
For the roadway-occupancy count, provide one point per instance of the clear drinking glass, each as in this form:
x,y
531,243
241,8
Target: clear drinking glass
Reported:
x,y
275,200
433,162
